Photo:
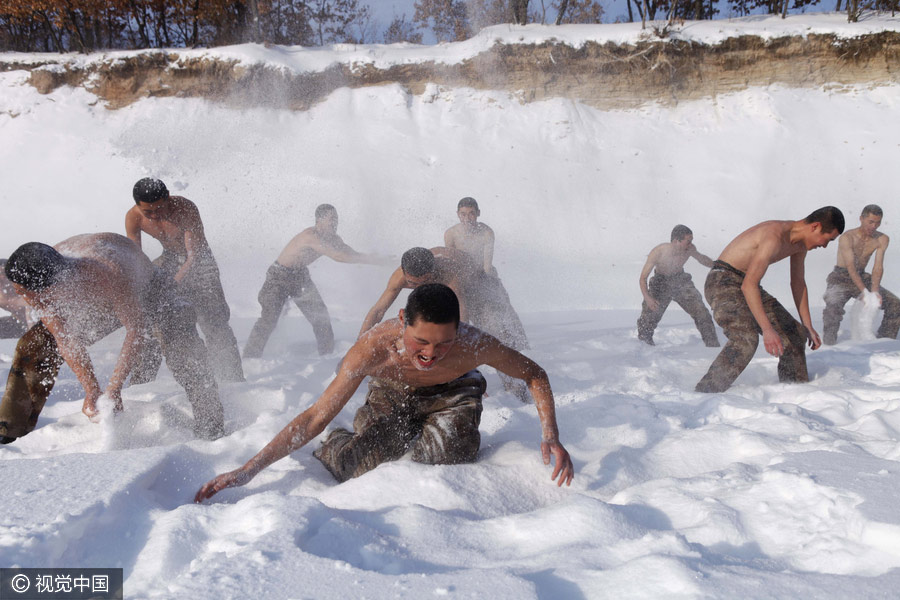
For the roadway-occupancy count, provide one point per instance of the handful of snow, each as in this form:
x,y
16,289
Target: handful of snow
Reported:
x,y
863,314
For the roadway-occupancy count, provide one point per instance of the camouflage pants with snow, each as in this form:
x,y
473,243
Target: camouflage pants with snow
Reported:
x,y
283,283
731,312
680,288
439,424
840,288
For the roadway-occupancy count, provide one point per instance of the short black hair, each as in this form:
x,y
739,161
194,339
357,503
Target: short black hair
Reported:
x,y
149,189
417,262
679,232
467,202
432,303
872,209
324,209
34,266
830,217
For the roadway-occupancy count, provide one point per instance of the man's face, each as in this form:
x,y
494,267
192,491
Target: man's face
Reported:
x,y
427,343
685,242
869,223
155,211
468,215
819,239
328,223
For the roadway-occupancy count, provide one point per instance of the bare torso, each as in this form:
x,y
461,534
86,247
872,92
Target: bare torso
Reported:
x,y
180,225
308,245
477,241
671,258
382,347
861,246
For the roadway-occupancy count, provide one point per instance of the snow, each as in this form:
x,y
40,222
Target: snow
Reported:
x,y
765,491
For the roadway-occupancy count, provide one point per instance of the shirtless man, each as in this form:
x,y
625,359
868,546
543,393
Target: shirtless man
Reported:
x,y
670,282
90,285
187,258
849,278
477,240
424,396
289,277
16,324
744,310
474,238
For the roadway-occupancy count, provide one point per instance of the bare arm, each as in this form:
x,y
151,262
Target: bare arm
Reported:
x,y
878,266
516,364
303,428
449,238
377,312
337,250
652,259
76,356
701,258
133,226
759,264
489,252
801,297
132,318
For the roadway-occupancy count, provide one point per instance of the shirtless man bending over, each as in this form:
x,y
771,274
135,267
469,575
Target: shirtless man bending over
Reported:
x,y
670,282
744,310
289,277
849,278
88,286
424,397
187,258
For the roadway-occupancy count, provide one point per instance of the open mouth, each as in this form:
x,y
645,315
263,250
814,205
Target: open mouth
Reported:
x,y
423,362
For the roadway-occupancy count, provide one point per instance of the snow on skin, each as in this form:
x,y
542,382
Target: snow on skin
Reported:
x,y
766,490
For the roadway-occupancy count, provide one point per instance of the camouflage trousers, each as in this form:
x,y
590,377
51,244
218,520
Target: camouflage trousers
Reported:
x,y
680,288
491,311
203,288
731,312
283,283
840,288
439,424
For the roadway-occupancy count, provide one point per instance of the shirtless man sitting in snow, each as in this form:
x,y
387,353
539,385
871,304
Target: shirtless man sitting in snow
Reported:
x,y
16,324
289,277
187,258
88,286
670,282
744,310
424,396
849,278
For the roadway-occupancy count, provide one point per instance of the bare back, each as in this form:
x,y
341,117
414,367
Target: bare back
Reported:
x,y
768,242
180,225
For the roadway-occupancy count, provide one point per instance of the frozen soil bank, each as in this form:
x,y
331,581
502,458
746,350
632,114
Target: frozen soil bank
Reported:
x,y
604,75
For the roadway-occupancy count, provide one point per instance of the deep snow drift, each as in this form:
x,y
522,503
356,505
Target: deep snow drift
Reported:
x,y
765,491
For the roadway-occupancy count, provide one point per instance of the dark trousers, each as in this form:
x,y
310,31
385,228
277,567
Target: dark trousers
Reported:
x,y
839,290
203,288
731,312
680,288
283,283
438,423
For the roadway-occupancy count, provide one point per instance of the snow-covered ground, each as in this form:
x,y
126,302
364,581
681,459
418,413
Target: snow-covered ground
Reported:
x,y
765,491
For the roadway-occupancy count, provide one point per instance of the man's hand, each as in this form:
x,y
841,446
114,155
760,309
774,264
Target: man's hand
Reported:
x,y
563,467
812,338
772,343
234,478
652,304
89,407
